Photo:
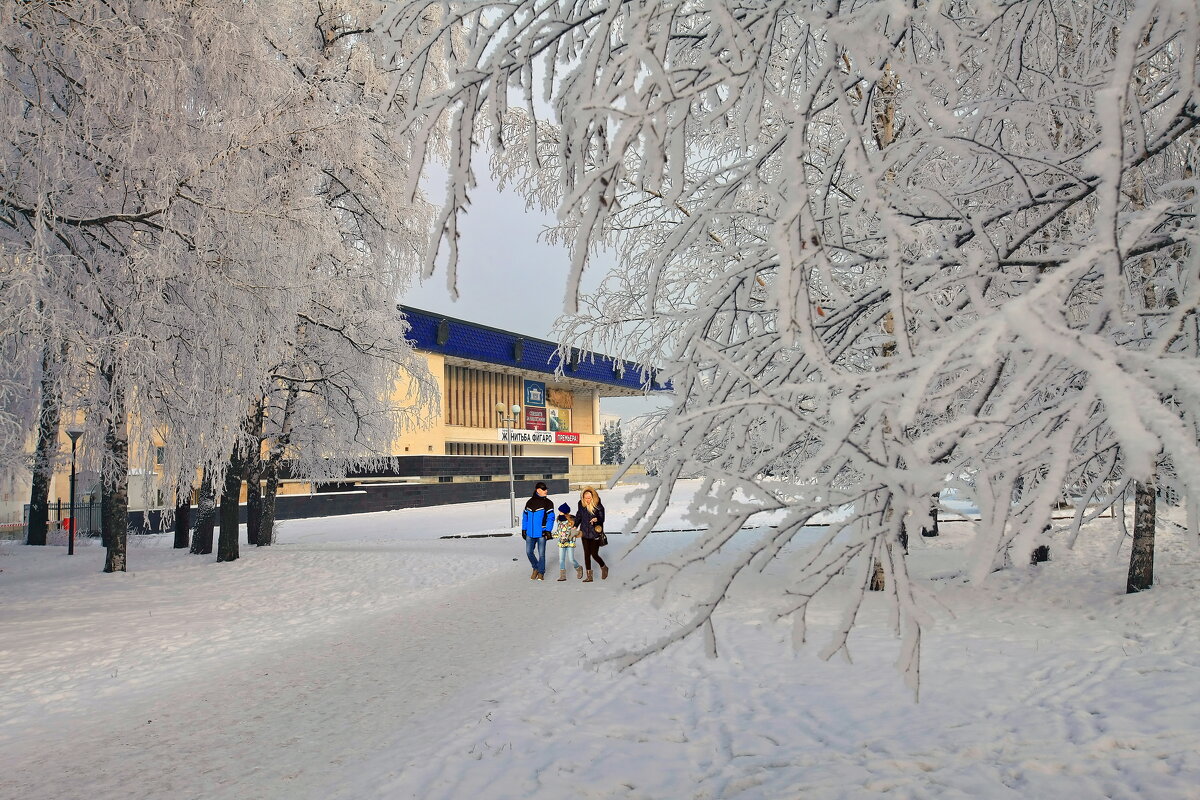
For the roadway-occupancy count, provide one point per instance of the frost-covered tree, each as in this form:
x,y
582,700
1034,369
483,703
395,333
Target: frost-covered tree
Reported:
x,y
885,248
184,184
611,447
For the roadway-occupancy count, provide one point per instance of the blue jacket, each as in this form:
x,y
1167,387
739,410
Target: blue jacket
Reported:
x,y
536,523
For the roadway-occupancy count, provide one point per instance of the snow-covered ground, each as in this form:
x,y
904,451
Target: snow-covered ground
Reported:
x,y
364,657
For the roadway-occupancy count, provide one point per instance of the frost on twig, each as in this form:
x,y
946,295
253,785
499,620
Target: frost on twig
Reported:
x,y
880,252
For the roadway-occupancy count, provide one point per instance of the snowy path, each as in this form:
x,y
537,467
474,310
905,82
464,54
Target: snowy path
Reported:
x,y
264,719
364,659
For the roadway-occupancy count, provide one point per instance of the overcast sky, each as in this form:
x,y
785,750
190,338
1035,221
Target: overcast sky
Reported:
x,y
508,277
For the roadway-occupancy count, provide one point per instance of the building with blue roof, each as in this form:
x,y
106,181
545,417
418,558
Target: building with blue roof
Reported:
x,y
479,367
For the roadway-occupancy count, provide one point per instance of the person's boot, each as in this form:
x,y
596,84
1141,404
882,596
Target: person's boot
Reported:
x,y
578,571
588,579
562,574
541,576
604,573
533,575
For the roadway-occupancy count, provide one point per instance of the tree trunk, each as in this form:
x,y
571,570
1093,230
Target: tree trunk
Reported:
x,y
202,537
115,485
254,502
43,462
183,516
1141,556
227,540
266,529
930,527
254,470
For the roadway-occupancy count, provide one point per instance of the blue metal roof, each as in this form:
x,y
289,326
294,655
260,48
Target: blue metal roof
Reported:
x,y
439,333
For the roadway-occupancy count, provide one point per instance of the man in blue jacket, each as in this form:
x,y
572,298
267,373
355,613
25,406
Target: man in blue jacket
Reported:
x,y
537,522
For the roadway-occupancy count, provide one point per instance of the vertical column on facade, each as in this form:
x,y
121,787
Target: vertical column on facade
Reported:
x,y
480,395
460,417
445,394
473,398
464,383
489,405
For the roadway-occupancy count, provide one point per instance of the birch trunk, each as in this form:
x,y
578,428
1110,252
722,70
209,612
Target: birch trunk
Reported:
x,y
1141,556
254,471
43,462
266,530
227,540
202,538
930,527
115,484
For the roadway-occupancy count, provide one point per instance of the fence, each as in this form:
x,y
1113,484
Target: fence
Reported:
x,y
87,513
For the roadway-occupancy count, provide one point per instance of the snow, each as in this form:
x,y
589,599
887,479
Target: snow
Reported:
x,y
365,657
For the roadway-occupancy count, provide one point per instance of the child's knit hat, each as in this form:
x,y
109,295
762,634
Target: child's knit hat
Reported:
x,y
564,508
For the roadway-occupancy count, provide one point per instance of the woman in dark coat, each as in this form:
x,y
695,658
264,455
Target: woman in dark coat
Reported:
x,y
590,519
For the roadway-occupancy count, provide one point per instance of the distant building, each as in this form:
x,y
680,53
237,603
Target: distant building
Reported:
x,y
462,456
479,367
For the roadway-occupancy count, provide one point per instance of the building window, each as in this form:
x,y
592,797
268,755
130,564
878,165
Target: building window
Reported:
x,y
547,477
485,477
160,455
518,477
445,479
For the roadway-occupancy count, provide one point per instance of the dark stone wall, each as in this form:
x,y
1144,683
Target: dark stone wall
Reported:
x,y
431,466
366,498
348,497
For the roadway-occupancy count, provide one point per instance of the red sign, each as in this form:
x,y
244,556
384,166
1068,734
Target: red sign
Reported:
x,y
562,437
535,419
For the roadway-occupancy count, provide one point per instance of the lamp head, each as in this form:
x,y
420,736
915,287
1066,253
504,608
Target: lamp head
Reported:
x,y
500,408
516,409
74,433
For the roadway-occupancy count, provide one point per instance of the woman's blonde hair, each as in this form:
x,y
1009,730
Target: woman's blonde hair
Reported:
x,y
595,499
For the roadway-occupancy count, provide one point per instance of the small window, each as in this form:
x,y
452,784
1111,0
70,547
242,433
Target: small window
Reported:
x,y
547,477
485,477
445,479
518,477
160,455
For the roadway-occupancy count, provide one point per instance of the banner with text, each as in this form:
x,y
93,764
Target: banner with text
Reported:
x,y
535,418
538,437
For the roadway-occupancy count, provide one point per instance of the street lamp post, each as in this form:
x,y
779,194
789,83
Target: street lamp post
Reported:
x,y
509,423
74,433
